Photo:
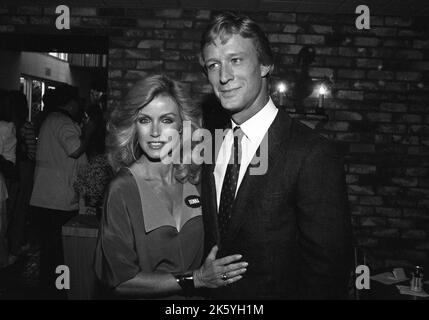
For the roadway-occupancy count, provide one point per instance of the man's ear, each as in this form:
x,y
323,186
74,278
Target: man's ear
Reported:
x,y
266,70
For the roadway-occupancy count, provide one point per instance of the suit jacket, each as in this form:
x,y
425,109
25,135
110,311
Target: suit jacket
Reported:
x,y
291,225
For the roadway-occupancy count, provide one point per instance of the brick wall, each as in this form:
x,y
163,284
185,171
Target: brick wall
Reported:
x,y
378,109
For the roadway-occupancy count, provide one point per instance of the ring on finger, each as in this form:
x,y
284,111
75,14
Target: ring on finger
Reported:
x,y
224,277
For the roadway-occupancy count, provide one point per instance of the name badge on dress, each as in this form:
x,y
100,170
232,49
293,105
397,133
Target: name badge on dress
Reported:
x,y
193,201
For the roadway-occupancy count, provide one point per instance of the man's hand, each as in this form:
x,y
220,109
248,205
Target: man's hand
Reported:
x,y
216,273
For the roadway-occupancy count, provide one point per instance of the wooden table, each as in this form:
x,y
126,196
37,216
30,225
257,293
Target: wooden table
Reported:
x,y
79,241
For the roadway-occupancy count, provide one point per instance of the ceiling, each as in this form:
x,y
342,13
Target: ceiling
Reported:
x,y
377,7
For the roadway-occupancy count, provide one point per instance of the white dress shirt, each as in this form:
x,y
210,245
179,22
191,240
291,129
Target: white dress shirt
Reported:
x,y
254,130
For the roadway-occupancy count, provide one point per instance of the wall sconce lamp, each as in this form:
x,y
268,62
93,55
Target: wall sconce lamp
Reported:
x,y
322,91
281,89
296,85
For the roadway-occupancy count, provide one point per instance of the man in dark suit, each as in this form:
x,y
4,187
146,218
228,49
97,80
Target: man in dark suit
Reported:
x,y
290,223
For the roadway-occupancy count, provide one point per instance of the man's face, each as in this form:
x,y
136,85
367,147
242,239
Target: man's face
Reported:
x,y
236,75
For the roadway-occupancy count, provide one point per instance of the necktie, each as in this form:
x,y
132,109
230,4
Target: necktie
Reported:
x,y
229,185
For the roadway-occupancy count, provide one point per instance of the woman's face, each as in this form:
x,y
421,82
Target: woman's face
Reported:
x,y
157,122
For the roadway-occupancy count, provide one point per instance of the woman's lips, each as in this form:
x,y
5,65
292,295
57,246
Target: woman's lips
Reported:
x,y
156,145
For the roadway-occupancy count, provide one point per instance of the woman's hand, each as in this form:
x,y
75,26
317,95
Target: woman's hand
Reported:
x,y
216,273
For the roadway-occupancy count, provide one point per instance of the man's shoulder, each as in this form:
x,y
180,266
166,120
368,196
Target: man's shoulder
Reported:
x,y
52,120
54,115
59,122
303,136
307,134
59,117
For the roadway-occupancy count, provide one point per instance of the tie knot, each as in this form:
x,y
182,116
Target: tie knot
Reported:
x,y
238,133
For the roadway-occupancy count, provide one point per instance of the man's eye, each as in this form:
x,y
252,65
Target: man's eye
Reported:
x,y
212,66
236,60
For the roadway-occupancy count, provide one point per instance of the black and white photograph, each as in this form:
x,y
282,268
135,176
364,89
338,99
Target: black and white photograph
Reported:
x,y
214,155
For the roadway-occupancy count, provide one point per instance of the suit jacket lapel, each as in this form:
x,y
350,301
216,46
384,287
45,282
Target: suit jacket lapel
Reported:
x,y
213,202
209,208
278,133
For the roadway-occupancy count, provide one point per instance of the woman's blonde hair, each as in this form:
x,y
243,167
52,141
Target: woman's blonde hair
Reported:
x,y
121,142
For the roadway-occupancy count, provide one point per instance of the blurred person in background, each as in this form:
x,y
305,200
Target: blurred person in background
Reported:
x,y
50,104
7,171
25,159
60,152
93,179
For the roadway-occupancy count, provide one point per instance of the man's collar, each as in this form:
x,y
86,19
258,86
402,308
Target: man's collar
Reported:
x,y
257,126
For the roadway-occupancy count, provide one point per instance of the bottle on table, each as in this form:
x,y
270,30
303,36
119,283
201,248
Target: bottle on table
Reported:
x,y
417,279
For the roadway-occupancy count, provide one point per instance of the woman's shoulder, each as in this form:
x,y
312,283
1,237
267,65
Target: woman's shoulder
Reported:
x,y
122,181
